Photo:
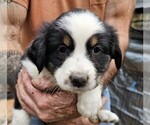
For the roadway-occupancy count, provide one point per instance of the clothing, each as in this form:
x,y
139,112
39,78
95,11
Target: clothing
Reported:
x,y
36,121
40,11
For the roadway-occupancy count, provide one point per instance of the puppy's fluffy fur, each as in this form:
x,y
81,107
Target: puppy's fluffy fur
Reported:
x,y
76,49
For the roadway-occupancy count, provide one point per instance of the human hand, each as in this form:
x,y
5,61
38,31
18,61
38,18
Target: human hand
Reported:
x,y
48,107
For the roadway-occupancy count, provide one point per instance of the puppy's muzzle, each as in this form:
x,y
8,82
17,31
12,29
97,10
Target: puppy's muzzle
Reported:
x,y
78,80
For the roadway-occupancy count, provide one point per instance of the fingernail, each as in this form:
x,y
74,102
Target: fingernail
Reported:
x,y
16,86
24,70
20,70
36,82
20,74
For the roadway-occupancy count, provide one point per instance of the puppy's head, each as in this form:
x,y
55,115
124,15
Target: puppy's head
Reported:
x,y
76,48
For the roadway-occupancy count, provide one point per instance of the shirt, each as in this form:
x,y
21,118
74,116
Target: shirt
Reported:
x,y
39,11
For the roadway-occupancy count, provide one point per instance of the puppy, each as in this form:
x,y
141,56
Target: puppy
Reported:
x,y
76,50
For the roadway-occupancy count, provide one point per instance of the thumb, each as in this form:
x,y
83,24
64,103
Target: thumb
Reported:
x,y
43,83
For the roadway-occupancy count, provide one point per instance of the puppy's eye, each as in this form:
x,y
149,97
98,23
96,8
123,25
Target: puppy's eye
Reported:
x,y
62,49
96,50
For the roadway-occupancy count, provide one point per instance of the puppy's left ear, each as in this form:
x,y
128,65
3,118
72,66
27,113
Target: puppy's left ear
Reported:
x,y
116,52
117,55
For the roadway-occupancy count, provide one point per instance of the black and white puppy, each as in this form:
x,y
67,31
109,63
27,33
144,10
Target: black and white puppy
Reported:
x,y
76,50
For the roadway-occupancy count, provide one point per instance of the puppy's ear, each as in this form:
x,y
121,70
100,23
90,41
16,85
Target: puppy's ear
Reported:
x,y
116,52
37,52
117,56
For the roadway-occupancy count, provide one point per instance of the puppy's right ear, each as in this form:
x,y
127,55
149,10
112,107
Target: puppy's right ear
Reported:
x,y
37,52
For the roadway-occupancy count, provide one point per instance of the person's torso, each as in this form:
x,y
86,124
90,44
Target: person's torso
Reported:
x,y
48,10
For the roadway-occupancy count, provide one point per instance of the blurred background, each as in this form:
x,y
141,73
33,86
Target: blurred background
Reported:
x,y
128,92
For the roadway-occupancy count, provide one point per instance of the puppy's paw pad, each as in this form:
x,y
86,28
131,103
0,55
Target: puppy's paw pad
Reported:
x,y
107,116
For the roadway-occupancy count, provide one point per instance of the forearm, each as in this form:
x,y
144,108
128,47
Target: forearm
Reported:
x,y
3,26
16,16
12,17
119,14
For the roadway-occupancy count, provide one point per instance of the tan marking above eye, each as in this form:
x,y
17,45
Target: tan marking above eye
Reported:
x,y
93,40
67,40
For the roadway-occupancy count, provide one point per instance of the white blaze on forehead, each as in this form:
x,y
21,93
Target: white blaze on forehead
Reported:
x,y
81,26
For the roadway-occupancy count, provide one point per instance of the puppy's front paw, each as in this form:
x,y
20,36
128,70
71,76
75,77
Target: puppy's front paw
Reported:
x,y
89,110
107,116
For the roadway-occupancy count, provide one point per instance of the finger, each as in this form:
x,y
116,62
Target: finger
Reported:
x,y
50,108
41,83
45,101
31,90
24,106
24,98
30,106
44,83
19,76
24,70
65,98
25,73
36,94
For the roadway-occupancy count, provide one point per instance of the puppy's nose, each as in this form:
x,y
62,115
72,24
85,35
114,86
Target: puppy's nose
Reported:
x,y
78,81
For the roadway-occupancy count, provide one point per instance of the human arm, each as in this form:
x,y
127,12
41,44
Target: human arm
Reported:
x,y
11,20
118,14
16,15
